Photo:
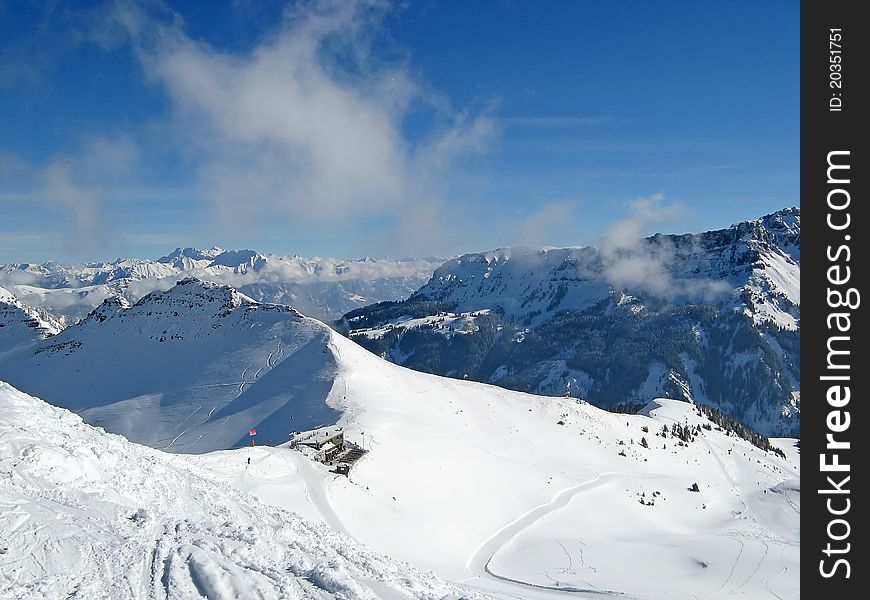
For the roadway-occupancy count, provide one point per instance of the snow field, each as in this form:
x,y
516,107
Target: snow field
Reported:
x,y
483,486
87,514
513,494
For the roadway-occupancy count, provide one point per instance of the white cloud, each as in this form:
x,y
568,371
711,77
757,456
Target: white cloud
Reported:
x,y
78,188
307,124
633,263
80,203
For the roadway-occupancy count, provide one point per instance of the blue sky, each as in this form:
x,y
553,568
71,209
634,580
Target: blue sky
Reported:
x,y
373,128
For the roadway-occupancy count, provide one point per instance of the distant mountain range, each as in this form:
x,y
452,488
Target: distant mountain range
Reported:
x,y
711,317
324,288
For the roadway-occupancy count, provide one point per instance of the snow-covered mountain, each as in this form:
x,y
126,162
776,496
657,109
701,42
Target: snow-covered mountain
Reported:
x,y
190,369
23,324
711,317
86,514
323,288
511,494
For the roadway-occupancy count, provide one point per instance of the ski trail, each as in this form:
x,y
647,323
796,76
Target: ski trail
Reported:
x,y
478,564
733,566
280,352
747,509
754,572
242,382
269,360
766,581
569,570
568,555
791,503
184,420
272,360
315,489
160,562
175,439
261,367
274,356
580,545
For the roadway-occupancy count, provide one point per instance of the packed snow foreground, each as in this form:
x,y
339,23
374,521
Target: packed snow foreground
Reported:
x,y
505,493
86,514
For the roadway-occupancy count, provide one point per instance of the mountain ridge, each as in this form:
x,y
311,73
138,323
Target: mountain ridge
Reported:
x,y
712,317
143,369
448,462
22,324
321,287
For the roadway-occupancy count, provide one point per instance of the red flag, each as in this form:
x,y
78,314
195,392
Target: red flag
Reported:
x,y
252,432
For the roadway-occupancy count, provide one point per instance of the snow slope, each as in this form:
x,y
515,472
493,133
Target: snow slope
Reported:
x,y
89,515
526,496
191,369
324,288
513,494
23,324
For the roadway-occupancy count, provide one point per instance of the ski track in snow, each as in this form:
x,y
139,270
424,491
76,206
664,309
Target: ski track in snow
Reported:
x,y
185,419
766,581
736,489
175,439
569,570
478,564
268,364
756,569
315,489
242,383
733,568
84,514
747,510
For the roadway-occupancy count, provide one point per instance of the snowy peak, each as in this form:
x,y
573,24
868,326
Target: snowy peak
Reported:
x,y
196,293
130,269
752,266
742,244
521,282
201,355
7,297
782,227
780,231
190,258
240,260
712,317
21,324
110,307
181,310
323,288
